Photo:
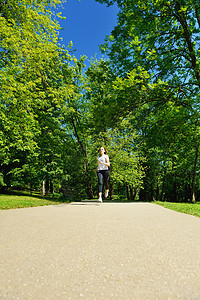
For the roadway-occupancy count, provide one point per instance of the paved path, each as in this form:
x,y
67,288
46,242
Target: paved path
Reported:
x,y
99,251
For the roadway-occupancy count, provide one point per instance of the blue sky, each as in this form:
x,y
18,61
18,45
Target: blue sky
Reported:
x,y
86,25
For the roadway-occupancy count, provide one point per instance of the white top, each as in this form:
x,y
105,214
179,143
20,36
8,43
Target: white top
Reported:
x,y
103,159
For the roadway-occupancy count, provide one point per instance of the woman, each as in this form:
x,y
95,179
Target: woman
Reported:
x,y
103,172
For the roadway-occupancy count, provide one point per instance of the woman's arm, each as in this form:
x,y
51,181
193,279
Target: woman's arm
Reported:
x,y
107,163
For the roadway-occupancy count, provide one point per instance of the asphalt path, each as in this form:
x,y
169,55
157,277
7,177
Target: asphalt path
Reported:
x,y
87,250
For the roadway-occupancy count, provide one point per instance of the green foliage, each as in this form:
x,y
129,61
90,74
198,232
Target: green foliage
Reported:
x,y
100,95
142,104
125,155
161,36
109,98
1,180
31,97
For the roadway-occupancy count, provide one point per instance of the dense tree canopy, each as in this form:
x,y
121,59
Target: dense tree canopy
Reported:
x,y
142,104
30,75
162,37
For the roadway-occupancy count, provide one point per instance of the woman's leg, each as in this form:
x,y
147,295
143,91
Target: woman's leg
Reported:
x,y
100,182
106,178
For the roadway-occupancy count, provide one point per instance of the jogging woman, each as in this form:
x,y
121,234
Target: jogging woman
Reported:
x,y
103,172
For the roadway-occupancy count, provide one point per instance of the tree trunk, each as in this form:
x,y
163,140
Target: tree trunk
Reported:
x,y
131,192
152,193
127,192
51,187
111,189
135,193
163,184
47,187
43,188
194,173
84,151
157,191
89,181
175,190
181,17
90,189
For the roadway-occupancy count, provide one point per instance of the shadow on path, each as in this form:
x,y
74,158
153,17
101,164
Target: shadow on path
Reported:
x,y
96,203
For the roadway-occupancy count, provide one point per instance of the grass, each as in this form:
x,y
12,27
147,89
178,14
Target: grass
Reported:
x,y
187,208
10,201
18,199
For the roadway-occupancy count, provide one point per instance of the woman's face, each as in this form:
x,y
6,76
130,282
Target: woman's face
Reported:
x,y
102,150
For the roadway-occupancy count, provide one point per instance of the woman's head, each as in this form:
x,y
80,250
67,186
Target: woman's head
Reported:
x,y
102,150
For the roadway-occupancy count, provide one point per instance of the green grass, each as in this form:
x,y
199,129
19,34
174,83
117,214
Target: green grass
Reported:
x,y
24,200
187,208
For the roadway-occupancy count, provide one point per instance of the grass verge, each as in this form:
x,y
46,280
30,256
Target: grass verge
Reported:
x,y
20,201
187,208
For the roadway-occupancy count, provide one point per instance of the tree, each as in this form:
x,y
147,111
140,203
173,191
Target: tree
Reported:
x,y
126,157
99,95
169,138
30,53
77,118
109,99
161,36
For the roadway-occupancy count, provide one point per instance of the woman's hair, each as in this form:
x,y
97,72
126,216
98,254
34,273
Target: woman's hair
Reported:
x,y
105,151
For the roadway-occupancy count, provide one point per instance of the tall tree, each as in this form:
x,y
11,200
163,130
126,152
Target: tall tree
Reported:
x,y
162,36
77,118
109,100
29,51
